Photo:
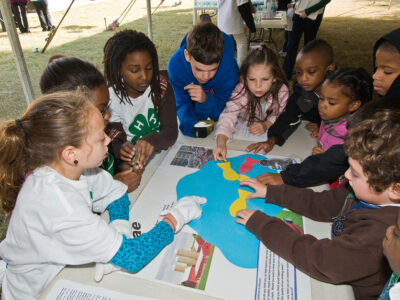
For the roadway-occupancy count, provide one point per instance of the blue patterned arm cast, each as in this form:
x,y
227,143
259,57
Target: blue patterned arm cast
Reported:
x,y
119,209
135,253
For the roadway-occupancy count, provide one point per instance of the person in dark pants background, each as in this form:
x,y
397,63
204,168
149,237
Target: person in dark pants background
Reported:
x,y
43,13
3,26
306,19
18,8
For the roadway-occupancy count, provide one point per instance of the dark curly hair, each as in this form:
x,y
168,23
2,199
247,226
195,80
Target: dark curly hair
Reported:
x,y
356,82
374,143
115,51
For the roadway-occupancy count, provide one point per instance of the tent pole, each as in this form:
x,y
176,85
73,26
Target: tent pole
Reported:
x,y
53,32
149,25
17,50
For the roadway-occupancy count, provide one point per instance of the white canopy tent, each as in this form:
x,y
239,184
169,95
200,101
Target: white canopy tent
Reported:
x,y
19,55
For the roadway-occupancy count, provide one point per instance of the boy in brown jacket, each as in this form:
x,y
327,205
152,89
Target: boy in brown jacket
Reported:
x,y
361,211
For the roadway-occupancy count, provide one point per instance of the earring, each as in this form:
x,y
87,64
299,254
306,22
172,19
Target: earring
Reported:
x,y
75,161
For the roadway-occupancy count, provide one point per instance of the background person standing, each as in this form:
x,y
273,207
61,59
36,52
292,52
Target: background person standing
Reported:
x,y
42,10
18,8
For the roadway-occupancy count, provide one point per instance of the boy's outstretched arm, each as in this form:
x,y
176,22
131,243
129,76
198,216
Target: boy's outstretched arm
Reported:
x,y
343,259
317,169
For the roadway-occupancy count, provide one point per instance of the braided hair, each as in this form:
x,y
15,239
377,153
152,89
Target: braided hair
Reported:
x,y
115,51
356,82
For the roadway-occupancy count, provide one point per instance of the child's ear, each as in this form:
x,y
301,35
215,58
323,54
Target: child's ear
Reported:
x,y
331,67
69,155
187,55
394,192
353,106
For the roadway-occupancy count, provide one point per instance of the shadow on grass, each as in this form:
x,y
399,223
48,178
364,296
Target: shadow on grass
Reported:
x,y
76,28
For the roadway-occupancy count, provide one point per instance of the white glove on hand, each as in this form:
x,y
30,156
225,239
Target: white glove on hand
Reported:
x,y
123,227
103,269
186,209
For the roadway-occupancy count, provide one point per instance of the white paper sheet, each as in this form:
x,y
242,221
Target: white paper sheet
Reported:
x,y
70,290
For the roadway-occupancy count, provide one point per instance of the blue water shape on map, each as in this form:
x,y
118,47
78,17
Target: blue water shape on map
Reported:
x,y
217,226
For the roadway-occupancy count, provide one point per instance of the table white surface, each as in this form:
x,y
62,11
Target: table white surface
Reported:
x,y
204,5
279,21
297,146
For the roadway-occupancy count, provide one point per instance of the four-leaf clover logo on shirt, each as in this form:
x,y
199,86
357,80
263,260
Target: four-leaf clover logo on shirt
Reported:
x,y
141,126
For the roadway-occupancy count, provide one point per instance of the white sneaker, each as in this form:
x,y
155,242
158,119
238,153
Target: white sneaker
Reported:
x,y
282,54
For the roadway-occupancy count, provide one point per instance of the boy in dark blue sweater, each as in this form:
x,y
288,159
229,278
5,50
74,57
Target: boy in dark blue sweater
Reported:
x,y
203,73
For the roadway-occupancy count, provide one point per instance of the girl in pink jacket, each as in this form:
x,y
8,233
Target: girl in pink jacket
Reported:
x,y
257,100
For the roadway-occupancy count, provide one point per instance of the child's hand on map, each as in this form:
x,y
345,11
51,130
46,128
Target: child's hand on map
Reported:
x,y
259,188
270,178
244,215
185,210
257,147
220,151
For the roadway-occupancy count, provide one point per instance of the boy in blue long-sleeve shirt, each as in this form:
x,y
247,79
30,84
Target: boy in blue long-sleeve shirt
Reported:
x,y
203,73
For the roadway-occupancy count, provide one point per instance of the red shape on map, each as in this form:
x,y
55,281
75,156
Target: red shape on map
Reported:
x,y
248,164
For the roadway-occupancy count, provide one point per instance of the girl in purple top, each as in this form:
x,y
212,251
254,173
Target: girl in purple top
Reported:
x,y
257,100
342,93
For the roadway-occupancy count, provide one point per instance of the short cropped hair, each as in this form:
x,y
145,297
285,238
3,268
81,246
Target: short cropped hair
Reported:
x,y
387,46
321,46
205,43
374,143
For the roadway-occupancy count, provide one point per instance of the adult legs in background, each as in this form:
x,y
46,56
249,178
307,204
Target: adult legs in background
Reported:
x,y
311,29
3,26
19,10
241,47
285,41
47,15
40,12
22,9
293,44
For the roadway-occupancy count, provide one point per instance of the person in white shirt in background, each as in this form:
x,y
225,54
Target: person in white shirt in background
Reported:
x,y
231,14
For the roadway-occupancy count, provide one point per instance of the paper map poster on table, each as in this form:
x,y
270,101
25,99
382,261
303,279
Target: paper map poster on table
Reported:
x,y
213,254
